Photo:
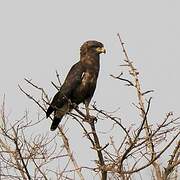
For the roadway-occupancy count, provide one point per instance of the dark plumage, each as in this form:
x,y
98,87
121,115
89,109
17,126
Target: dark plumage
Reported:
x,y
80,83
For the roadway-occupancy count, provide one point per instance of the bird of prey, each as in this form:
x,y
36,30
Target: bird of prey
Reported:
x,y
80,83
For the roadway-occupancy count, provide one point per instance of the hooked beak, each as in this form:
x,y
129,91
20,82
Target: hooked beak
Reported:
x,y
101,50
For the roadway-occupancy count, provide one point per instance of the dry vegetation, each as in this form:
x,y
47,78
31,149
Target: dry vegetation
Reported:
x,y
25,156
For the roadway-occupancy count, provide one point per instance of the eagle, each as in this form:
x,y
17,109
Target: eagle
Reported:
x,y
80,83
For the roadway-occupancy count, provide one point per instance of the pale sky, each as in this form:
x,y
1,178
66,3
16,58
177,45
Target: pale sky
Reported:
x,y
39,37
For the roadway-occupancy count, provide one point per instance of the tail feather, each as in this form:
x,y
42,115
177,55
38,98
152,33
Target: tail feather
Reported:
x,y
58,115
55,123
49,111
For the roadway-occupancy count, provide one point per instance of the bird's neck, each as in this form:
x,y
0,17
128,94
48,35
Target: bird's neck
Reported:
x,y
91,61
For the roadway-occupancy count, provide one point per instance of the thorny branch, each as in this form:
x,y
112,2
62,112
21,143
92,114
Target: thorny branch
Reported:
x,y
64,138
124,156
137,85
95,141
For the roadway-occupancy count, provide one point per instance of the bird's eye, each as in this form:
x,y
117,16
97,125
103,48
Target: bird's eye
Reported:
x,y
95,46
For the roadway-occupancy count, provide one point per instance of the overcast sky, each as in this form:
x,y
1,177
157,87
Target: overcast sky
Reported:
x,y
39,37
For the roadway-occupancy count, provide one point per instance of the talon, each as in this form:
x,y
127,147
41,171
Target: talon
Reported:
x,y
90,119
75,106
93,118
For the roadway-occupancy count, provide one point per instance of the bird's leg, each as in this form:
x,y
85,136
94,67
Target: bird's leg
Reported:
x,y
87,109
88,117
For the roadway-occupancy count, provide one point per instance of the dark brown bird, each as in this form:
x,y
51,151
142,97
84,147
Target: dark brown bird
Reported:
x,y
80,83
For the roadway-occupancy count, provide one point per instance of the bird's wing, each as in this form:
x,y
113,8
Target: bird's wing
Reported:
x,y
72,80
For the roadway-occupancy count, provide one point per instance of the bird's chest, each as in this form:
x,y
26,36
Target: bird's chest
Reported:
x,y
88,80
86,88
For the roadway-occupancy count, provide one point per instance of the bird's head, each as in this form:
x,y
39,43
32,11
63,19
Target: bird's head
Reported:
x,y
93,47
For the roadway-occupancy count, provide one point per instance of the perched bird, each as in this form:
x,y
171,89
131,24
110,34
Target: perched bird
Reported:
x,y
80,83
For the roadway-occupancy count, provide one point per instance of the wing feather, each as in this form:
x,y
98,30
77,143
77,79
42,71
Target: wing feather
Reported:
x,y
71,82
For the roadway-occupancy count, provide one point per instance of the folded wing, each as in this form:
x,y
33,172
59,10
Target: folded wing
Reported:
x,y
72,81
